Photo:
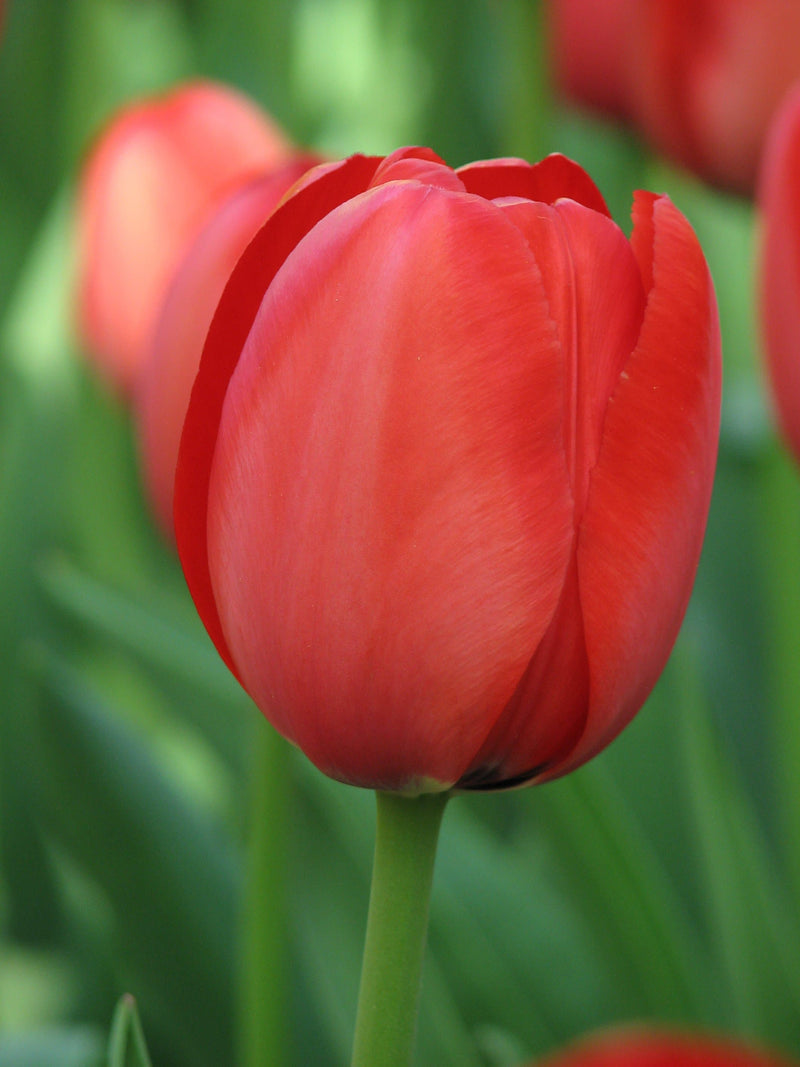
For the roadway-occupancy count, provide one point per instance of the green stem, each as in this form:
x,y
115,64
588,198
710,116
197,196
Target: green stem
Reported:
x,y
781,526
406,835
262,993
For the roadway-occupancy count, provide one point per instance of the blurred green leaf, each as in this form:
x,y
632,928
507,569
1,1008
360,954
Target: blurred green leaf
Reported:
x,y
524,114
170,876
617,881
36,986
127,1046
77,1046
499,1048
371,93
523,960
252,46
513,953
115,51
108,525
35,330
452,46
31,88
753,924
36,398
167,639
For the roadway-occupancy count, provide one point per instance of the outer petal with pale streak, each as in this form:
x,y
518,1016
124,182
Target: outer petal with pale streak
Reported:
x,y
403,378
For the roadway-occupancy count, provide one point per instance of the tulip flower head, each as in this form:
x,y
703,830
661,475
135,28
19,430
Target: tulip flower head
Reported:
x,y
638,1047
700,78
780,266
168,372
446,467
150,183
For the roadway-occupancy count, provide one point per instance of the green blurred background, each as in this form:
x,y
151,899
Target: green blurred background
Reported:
x,y
660,882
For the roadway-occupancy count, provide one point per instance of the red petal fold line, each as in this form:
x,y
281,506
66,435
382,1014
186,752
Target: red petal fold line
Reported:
x,y
226,337
643,528
545,718
596,299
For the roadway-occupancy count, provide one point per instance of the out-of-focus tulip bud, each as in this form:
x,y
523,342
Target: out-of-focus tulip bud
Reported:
x,y
700,78
152,180
589,54
446,467
162,393
639,1047
780,266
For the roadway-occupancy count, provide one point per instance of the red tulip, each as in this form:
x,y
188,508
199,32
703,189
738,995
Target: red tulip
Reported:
x,y
637,1047
151,182
445,471
780,266
700,78
166,379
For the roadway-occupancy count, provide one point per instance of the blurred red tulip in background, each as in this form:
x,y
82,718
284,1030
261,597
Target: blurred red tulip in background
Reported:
x,y
589,52
779,204
639,1047
152,180
445,471
700,78
166,378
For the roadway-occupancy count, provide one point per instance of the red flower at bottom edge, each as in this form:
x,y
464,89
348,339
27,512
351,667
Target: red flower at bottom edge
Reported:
x,y
636,1047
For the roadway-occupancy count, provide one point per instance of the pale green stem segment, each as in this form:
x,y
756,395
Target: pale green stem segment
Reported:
x,y
780,523
406,836
262,1029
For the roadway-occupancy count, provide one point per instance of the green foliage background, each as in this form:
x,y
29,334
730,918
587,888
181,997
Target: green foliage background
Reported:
x,y
141,794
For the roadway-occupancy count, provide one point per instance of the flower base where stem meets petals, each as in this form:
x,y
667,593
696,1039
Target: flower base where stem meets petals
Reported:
x,y
406,836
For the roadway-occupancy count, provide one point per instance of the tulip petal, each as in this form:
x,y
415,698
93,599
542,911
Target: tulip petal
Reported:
x,y
227,334
645,516
417,164
595,293
709,76
553,178
150,184
589,51
389,513
594,289
543,720
635,1045
780,266
165,380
